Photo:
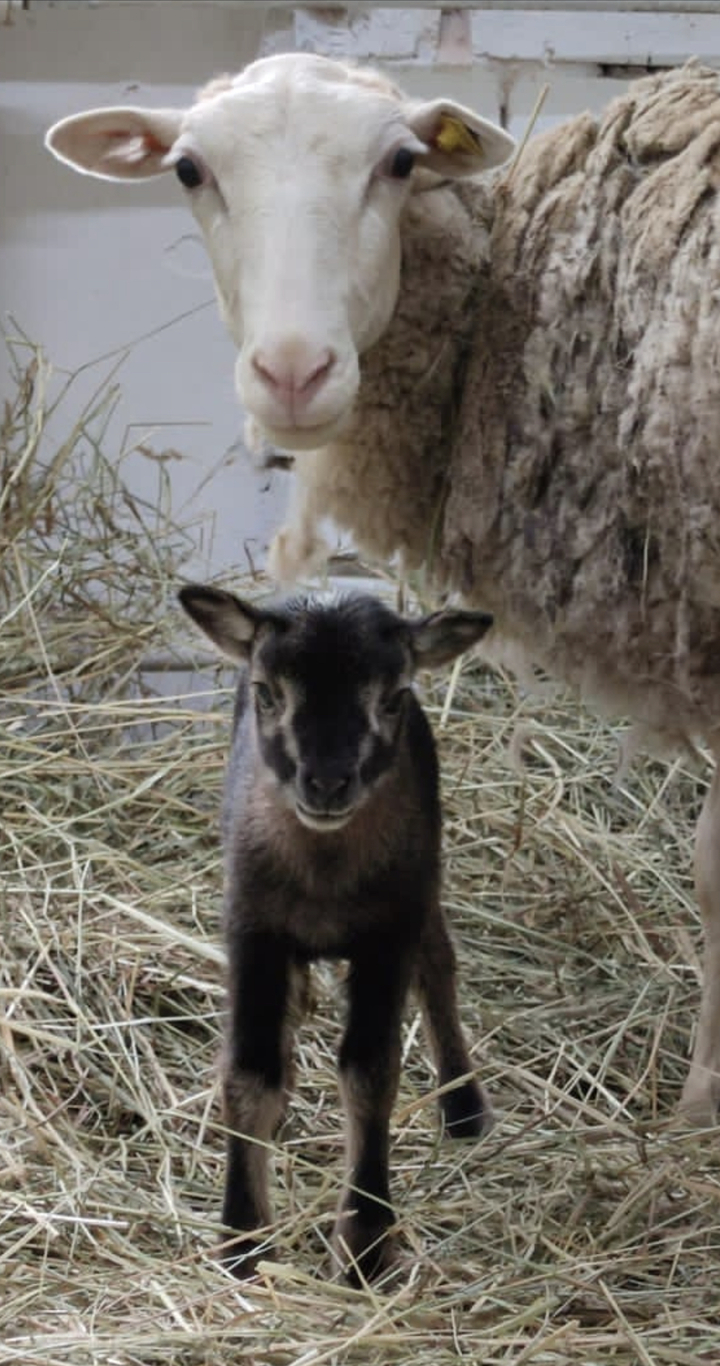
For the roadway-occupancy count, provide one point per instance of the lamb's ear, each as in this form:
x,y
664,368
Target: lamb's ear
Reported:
x,y
230,623
117,144
444,635
458,142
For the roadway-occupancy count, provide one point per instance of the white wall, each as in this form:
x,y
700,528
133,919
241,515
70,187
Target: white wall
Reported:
x,y
89,268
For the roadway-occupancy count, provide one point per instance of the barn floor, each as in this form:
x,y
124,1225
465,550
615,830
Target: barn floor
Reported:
x,y
584,1229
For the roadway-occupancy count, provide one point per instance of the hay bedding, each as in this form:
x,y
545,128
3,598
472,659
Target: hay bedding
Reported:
x,y
586,1228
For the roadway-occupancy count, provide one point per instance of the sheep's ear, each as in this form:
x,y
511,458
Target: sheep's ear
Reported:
x,y
442,636
117,144
458,142
229,623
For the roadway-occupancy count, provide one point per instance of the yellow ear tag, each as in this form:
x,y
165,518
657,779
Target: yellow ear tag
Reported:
x,y
454,136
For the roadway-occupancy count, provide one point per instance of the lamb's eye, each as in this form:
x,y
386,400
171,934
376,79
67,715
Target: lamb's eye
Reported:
x,y
392,704
189,173
264,697
401,163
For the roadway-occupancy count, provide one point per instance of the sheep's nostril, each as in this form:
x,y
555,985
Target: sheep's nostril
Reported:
x,y
263,371
319,373
295,373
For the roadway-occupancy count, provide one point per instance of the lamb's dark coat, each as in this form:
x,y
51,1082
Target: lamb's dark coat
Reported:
x,y
334,701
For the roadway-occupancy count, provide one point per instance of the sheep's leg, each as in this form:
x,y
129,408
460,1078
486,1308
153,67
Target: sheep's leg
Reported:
x,y
466,1108
701,1094
298,549
255,1076
369,1075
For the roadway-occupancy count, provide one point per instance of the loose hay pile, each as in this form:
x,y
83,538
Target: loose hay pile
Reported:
x,y
586,1228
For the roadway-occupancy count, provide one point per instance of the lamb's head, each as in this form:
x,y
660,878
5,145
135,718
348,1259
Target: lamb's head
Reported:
x,y
329,684
297,172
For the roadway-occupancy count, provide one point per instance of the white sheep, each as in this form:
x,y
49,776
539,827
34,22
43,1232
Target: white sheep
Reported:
x,y
512,380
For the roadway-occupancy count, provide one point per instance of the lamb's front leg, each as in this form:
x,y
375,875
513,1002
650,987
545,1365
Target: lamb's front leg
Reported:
x,y
254,1079
369,1075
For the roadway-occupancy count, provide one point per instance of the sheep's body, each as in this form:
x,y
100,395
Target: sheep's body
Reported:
x,y
550,449
528,408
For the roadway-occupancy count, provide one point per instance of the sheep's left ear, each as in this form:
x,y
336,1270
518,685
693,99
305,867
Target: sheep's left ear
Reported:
x,y
444,635
127,143
458,142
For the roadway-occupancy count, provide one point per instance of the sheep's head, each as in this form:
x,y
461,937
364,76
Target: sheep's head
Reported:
x,y
297,172
329,685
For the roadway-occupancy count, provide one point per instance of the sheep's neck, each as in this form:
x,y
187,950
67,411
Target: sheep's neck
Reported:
x,y
404,424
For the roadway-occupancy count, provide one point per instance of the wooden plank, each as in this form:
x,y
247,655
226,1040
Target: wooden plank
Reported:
x,y
588,35
378,34
612,39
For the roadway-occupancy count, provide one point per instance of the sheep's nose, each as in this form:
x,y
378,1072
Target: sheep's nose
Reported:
x,y
293,372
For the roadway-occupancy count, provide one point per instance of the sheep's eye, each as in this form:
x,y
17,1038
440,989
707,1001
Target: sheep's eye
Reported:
x,y
264,697
392,704
188,173
401,163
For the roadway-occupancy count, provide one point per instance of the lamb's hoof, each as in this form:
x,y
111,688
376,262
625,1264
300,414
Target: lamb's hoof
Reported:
x,y
467,1111
363,1251
700,1100
239,1255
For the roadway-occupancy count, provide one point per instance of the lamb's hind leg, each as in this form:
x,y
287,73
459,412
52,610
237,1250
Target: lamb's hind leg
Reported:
x,y
465,1108
701,1094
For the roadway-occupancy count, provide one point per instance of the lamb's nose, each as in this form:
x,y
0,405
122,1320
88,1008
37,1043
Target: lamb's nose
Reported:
x,y
330,790
327,787
293,373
